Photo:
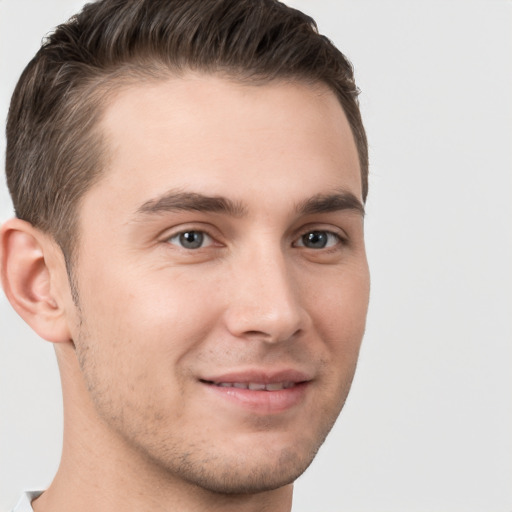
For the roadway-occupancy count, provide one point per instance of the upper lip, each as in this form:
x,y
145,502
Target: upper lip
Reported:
x,y
259,376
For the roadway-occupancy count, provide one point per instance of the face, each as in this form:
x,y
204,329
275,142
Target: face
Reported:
x,y
222,278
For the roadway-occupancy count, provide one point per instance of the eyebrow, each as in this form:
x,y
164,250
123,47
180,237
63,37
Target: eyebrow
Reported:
x,y
325,203
173,201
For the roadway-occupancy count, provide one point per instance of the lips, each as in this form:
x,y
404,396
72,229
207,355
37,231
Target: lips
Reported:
x,y
255,386
259,391
259,380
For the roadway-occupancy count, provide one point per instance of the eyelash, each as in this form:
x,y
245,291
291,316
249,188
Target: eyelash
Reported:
x,y
330,236
299,242
190,231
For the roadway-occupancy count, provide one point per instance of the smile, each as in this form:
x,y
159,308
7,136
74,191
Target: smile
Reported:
x,y
259,392
255,386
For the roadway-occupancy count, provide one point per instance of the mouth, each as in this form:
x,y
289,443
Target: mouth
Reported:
x,y
254,386
259,392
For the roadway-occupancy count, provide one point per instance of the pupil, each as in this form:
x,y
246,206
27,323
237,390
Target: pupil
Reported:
x,y
315,239
191,239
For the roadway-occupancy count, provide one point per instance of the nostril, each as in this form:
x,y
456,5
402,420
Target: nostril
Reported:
x,y
271,337
257,333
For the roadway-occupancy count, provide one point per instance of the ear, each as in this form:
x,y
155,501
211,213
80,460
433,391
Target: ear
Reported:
x,y
30,272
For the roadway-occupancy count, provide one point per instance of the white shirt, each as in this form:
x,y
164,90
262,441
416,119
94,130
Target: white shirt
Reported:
x,y
24,505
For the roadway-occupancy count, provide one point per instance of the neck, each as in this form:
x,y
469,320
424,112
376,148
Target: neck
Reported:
x,y
100,471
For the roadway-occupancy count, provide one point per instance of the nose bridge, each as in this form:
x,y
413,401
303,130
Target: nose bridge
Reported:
x,y
267,301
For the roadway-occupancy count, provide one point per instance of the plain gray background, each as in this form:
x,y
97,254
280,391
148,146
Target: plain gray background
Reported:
x,y
428,425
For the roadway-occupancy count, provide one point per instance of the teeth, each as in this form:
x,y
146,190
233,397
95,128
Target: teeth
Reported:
x,y
276,386
256,386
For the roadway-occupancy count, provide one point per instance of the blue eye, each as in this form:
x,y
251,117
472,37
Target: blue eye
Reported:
x,y
318,240
191,239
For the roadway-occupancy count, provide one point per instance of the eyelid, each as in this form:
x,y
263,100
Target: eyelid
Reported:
x,y
339,239
208,240
330,228
206,230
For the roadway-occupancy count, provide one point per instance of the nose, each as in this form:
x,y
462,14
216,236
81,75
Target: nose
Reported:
x,y
266,300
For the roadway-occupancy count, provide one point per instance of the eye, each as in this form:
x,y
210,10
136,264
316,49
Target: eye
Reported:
x,y
318,240
191,239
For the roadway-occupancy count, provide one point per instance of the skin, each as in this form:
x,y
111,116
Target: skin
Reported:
x,y
156,322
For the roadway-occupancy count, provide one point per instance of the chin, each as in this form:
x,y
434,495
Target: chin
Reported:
x,y
265,464
250,477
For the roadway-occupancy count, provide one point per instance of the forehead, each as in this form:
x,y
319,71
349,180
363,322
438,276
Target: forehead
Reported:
x,y
218,136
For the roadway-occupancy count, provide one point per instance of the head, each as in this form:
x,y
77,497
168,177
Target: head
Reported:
x,y
195,173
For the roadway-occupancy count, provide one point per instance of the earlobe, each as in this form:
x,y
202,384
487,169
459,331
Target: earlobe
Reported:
x,y
27,280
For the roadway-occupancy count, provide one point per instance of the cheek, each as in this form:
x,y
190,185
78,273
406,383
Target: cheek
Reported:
x,y
339,304
140,325
130,346
340,308
138,299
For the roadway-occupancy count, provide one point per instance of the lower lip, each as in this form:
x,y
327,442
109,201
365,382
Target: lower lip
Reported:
x,y
262,402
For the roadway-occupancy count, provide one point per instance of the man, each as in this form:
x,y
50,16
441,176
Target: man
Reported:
x,y
189,180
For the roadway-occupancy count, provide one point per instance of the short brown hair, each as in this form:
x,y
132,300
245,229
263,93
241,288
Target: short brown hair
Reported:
x,y
54,149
